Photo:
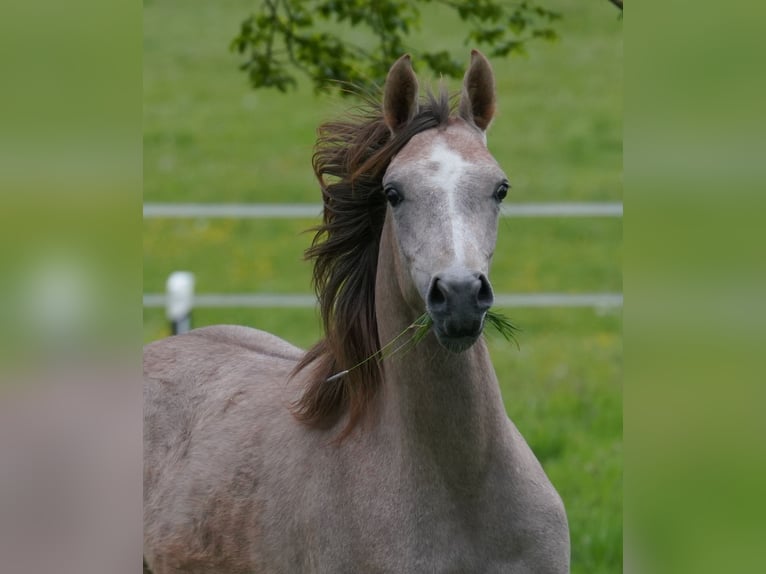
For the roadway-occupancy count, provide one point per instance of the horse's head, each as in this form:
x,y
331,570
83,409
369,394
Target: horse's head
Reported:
x,y
444,190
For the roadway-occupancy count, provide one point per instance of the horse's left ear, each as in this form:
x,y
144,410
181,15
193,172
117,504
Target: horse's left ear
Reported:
x,y
477,101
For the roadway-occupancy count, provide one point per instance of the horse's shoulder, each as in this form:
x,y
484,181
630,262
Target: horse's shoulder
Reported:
x,y
537,513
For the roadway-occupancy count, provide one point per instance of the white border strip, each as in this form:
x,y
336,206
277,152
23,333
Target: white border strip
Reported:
x,y
267,300
310,210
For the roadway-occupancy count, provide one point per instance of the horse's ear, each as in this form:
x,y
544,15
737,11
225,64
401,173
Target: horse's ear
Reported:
x,y
477,101
400,95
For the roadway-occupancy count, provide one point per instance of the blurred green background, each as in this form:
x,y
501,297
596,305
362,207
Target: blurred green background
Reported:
x,y
208,137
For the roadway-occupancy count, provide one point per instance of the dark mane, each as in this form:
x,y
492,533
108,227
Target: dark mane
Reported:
x,y
350,158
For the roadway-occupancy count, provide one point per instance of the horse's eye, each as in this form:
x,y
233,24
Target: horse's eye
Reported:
x,y
501,191
393,196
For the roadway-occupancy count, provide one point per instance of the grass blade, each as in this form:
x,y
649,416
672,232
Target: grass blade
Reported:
x,y
420,328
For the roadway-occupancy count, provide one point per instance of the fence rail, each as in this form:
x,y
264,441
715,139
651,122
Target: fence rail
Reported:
x,y
311,210
272,300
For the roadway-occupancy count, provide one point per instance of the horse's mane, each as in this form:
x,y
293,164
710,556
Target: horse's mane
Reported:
x,y
351,156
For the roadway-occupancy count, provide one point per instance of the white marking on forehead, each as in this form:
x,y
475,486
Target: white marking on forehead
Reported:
x,y
451,166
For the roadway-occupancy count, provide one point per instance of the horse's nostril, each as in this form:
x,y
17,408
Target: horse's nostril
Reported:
x,y
485,297
436,296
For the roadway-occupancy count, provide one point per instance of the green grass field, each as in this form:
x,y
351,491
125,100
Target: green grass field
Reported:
x,y
208,137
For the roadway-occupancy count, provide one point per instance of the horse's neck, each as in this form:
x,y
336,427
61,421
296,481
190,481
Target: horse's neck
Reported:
x,y
448,404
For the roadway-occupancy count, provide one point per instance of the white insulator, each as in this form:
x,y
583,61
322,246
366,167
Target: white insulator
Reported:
x,y
180,295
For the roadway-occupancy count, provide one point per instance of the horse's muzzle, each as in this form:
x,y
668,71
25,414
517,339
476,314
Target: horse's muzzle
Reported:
x,y
457,301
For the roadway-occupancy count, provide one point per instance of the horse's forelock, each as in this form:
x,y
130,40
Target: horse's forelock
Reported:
x,y
350,159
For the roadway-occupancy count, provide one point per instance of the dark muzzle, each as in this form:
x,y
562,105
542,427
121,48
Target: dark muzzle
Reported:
x,y
457,303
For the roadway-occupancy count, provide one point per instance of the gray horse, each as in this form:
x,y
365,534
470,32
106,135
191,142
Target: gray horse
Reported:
x,y
263,458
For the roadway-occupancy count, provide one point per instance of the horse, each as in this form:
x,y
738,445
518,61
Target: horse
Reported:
x,y
264,458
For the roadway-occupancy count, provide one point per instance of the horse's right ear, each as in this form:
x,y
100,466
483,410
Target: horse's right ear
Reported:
x,y
400,95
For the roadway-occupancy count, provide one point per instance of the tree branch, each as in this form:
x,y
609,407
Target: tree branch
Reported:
x,y
288,35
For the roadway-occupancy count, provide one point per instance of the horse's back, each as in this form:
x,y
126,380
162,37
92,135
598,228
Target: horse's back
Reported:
x,y
209,395
161,357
